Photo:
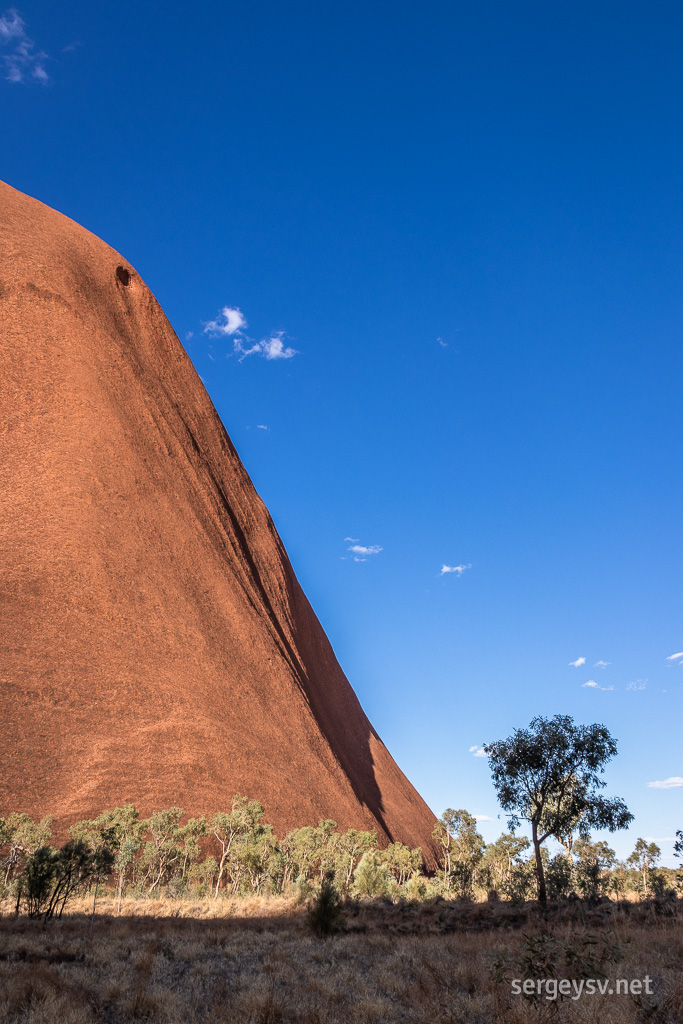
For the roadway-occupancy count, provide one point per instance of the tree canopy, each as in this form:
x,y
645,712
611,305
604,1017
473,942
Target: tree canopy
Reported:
x,y
550,775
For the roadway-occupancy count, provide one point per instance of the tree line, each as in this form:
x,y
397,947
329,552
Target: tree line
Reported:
x,y
548,775
236,852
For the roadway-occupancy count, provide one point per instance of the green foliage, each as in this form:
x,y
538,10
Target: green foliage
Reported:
x,y
519,884
500,860
238,852
21,836
237,831
201,876
119,830
559,877
349,848
462,850
550,776
592,869
325,910
401,861
581,956
258,857
678,852
171,847
416,887
371,877
52,877
37,880
643,859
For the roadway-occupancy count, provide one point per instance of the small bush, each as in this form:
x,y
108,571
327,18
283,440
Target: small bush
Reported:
x,y
558,877
325,910
580,956
371,877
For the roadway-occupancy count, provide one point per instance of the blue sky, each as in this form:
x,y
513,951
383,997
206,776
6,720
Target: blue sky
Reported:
x,y
450,236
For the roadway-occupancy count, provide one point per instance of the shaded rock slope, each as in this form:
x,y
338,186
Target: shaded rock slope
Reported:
x,y
156,644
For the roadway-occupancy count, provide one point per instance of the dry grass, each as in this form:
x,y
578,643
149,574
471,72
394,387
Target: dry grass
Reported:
x,y
256,961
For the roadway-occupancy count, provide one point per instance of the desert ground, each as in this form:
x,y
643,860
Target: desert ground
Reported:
x,y
257,960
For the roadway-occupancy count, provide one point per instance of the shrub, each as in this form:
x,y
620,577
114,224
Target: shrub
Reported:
x,y
580,956
325,910
38,880
558,877
52,877
371,877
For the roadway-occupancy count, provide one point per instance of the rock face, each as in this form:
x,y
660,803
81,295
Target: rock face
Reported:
x,y
156,645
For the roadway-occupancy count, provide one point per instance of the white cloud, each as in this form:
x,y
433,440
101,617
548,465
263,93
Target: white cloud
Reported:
x,y
578,663
483,817
675,657
675,782
444,344
602,664
478,751
261,426
595,686
457,569
230,320
637,684
361,552
24,62
274,347
11,25
660,839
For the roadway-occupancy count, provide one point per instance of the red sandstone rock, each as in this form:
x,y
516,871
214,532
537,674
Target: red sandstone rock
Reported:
x,y
156,645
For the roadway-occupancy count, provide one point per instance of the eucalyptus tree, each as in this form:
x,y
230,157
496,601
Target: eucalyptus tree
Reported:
x,y
234,828
462,847
644,858
550,776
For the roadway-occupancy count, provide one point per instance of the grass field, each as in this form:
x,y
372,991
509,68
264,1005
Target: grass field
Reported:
x,y
256,960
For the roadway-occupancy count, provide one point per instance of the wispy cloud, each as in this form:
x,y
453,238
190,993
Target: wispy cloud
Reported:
x,y
273,347
261,426
637,684
351,540
578,663
483,817
361,552
457,569
675,657
675,782
11,25
24,63
602,664
444,344
660,839
478,751
596,686
231,322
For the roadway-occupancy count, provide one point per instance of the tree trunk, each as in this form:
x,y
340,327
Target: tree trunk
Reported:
x,y
118,909
94,901
540,874
220,872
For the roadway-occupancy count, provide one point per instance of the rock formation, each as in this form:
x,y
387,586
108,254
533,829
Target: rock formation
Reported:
x,y
156,645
